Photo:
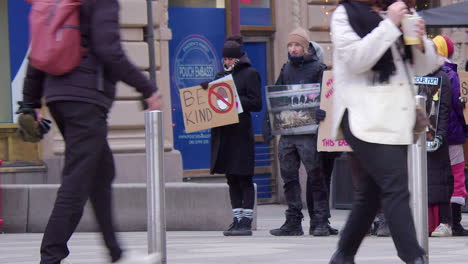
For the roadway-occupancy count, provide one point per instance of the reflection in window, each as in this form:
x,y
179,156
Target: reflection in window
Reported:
x,y
197,3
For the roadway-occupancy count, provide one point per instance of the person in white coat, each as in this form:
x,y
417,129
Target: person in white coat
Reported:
x,y
374,109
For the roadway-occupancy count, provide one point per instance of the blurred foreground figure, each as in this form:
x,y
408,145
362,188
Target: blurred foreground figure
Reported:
x,y
374,109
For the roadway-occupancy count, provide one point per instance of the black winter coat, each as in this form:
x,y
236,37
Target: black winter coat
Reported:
x,y
233,146
439,173
101,35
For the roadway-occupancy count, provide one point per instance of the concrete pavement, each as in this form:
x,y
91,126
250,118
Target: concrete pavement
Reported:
x,y
207,247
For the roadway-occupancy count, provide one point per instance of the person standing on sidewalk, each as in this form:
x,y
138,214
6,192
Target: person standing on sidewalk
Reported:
x,y
79,102
374,108
233,146
303,67
455,135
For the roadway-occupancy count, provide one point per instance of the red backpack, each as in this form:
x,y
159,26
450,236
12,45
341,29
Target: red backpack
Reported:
x,y
55,35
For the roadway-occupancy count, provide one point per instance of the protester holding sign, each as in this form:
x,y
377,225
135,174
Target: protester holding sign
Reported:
x,y
439,175
455,135
374,108
232,146
303,67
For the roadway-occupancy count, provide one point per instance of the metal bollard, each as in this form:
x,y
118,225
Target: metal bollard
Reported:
x,y
417,175
155,191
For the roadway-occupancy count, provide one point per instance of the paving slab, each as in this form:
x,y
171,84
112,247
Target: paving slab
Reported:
x,y
210,247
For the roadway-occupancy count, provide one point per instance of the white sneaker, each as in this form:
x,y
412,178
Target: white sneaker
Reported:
x,y
149,259
443,230
64,261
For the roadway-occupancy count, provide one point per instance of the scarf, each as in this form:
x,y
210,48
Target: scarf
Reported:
x,y
363,20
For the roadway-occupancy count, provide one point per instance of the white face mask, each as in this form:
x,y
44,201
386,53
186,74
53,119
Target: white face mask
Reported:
x,y
231,67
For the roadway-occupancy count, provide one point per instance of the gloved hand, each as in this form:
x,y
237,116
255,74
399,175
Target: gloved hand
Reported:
x,y
29,129
204,84
462,101
320,115
434,145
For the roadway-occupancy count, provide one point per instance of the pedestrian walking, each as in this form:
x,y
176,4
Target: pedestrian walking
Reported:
x,y
79,102
374,110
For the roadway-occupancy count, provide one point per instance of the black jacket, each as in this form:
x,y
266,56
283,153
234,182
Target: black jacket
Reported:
x,y
101,33
233,146
439,173
308,70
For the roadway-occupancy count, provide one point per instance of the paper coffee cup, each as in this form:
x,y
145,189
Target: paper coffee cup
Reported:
x,y
409,24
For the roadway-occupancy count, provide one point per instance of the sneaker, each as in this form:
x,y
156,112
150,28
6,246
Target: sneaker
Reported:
x,y
443,230
232,227
148,259
64,261
292,227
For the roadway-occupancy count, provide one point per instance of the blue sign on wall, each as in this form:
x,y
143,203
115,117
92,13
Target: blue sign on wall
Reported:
x,y
197,39
18,27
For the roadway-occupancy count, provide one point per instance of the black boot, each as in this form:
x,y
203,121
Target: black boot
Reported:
x,y
419,260
321,229
244,227
292,227
232,227
331,230
457,228
339,258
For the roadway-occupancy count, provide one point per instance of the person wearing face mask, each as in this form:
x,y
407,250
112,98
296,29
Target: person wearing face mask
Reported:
x,y
232,146
302,67
374,111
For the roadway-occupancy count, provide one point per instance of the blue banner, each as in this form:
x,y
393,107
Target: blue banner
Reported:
x,y
197,40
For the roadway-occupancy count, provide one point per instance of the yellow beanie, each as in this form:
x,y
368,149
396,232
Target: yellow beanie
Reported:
x,y
441,45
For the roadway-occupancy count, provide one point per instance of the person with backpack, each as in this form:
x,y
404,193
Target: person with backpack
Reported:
x,y
302,67
79,101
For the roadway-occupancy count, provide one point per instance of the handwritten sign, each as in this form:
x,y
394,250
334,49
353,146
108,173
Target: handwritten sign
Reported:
x,y
325,142
464,91
214,107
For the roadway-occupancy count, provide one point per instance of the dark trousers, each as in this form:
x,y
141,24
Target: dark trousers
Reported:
x,y
88,173
327,163
241,191
384,176
293,150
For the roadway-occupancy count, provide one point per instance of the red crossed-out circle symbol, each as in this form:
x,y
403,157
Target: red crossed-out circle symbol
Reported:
x,y
217,96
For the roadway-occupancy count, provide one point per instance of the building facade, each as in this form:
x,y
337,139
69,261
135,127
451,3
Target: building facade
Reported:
x,y
189,35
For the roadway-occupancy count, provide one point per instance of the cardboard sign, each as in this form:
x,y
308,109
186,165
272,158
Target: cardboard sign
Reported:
x,y
464,91
214,107
324,141
431,88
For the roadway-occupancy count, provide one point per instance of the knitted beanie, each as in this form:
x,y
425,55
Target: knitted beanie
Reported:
x,y
233,47
301,36
444,45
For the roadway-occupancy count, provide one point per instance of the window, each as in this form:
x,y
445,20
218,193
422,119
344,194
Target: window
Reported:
x,y
198,3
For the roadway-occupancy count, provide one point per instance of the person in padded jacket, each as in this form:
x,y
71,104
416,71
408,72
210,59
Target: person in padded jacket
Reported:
x,y
233,146
79,101
303,67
